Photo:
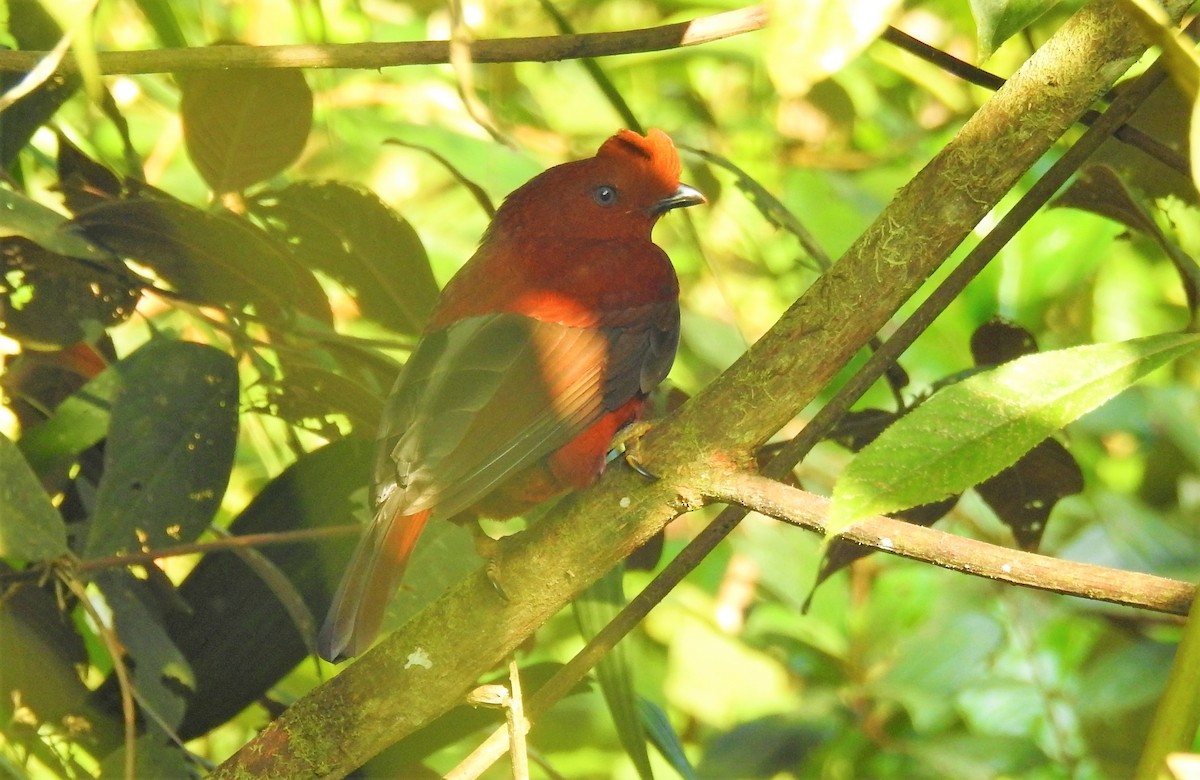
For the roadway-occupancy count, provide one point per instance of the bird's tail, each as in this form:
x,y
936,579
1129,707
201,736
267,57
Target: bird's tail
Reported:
x,y
370,580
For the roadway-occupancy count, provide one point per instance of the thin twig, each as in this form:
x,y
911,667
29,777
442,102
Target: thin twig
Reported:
x,y
373,56
230,543
112,644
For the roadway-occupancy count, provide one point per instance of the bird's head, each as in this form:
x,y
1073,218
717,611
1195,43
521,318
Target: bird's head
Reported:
x,y
619,193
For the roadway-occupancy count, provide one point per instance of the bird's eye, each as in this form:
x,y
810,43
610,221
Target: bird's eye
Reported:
x,y
605,194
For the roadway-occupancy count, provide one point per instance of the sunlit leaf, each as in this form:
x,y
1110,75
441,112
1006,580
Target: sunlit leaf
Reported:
x,y
32,529
244,126
998,20
350,234
41,651
809,40
971,430
1179,53
169,450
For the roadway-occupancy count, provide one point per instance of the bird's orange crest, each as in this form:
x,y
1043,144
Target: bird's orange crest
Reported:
x,y
656,150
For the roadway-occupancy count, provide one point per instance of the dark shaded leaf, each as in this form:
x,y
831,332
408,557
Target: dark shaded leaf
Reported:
x,y
244,126
1024,494
355,238
1165,117
32,529
170,448
215,259
83,181
761,748
594,609
53,301
998,341
237,638
1100,190
161,674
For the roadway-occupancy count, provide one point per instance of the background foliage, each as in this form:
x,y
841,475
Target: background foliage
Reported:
x,y
251,254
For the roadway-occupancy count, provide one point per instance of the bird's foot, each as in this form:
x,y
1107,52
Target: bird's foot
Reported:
x,y
491,550
628,441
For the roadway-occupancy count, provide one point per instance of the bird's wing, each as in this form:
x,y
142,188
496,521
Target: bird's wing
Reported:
x,y
490,395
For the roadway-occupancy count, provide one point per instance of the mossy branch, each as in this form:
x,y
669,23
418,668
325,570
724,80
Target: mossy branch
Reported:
x,y
386,694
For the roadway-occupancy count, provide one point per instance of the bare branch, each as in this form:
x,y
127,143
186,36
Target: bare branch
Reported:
x,y
374,56
970,556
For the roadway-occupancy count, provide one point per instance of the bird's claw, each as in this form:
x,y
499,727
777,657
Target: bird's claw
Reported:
x,y
627,441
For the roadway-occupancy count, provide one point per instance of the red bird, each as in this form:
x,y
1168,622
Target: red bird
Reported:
x,y
539,350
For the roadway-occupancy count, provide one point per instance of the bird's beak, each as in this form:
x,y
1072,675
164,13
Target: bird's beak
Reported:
x,y
680,198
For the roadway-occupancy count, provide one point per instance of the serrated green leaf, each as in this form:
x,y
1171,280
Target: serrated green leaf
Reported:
x,y
243,126
969,431
169,450
998,20
32,529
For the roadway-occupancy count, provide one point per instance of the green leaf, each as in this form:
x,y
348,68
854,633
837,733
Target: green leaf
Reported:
x,y
663,735
77,423
999,20
244,126
216,259
169,450
354,237
971,430
32,529
21,216
594,608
